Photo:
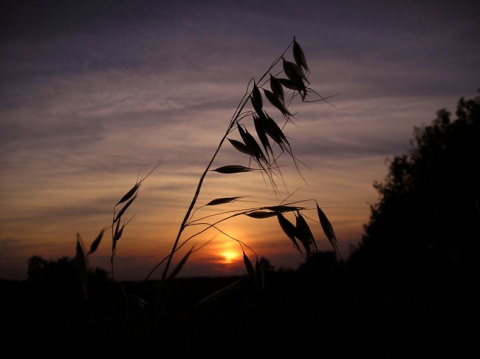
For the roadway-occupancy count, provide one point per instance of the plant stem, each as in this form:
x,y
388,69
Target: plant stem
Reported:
x,y
232,124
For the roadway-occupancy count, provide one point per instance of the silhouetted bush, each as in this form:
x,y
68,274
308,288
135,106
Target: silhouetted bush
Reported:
x,y
427,220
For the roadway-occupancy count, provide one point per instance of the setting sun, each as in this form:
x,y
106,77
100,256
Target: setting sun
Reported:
x,y
229,256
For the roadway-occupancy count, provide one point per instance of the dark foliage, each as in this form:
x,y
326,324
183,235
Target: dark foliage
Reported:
x,y
427,221
57,287
297,314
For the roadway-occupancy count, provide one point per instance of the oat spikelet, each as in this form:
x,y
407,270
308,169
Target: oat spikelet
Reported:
x,y
180,265
259,123
256,99
295,86
277,88
229,169
251,143
276,102
217,201
294,72
261,214
299,56
283,208
80,253
129,194
96,242
327,228
241,147
124,208
276,133
304,234
288,228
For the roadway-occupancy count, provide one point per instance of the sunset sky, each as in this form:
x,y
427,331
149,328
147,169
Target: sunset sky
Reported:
x,y
95,94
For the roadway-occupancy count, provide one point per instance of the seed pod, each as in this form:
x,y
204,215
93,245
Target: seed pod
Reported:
x,y
242,147
284,208
327,228
218,201
122,211
296,86
275,101
275,132
261,214
305,234
259,123
299,55
277,88
288,228
294,72
293,85
251,143
96,242
256,99
130,193
180,265
229,169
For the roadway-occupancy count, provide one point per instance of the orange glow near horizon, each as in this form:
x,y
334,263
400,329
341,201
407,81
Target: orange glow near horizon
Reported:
x,y
229,256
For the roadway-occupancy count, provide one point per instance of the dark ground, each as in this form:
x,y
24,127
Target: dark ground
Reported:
x,y
296,315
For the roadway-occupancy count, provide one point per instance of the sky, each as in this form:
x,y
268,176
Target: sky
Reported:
x,y
94,95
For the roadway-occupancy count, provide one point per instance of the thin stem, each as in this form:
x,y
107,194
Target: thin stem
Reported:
x,y
231,125
197,191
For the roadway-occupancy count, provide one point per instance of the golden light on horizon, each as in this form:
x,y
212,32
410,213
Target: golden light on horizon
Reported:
x,y
229,256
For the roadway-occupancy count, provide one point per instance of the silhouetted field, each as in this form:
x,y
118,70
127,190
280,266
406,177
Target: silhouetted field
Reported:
x,y
295,315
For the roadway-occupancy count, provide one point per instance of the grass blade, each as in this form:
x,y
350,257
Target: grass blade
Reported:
x,y
118,232
129,194
288,228
229,169
239,146
296,86
122,211
277,88
259,123
327,228
260,214
284,208
96,242
218,293
80,253
304,234
275,101
217,201
275,133
256,99
299,55
251,143
294,72
180,265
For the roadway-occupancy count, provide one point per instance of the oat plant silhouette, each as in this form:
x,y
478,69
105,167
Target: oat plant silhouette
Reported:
x,y
254,133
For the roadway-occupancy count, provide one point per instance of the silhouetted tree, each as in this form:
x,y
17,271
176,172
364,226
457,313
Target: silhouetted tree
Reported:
x,y
428,213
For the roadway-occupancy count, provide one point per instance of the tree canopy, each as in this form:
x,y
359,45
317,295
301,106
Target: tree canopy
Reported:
x,y
428,212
